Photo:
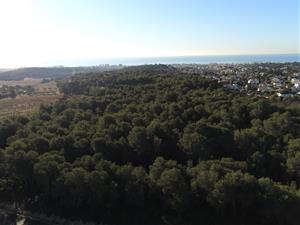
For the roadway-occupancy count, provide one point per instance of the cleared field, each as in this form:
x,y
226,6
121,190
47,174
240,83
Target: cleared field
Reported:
x,y
49,88
24,105
45,93
25,82
37,84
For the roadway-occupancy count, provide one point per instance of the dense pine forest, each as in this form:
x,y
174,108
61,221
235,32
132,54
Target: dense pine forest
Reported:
x,y
151,145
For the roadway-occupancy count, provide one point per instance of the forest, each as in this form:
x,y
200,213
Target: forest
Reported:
x,y
151,145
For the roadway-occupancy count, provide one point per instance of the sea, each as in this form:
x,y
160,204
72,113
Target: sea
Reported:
x,y
189,60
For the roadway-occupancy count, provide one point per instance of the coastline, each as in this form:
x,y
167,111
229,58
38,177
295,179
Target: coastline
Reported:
x,y
201,59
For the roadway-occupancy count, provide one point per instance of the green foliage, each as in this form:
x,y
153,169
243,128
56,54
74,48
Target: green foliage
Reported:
x,y
148,145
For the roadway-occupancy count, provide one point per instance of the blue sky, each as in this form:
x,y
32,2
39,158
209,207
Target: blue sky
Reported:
x,y
45,31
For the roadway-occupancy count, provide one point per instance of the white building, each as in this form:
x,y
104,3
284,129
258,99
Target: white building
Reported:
x,y
264,88
253,81
284,95
295,81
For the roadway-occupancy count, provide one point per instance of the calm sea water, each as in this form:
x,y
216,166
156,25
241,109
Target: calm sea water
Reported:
x,y
192,59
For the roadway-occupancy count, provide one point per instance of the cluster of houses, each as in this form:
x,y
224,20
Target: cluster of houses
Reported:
x,y
281,87
261,79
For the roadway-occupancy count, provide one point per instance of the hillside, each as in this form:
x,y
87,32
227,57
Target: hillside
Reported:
x,y
50,72
150,145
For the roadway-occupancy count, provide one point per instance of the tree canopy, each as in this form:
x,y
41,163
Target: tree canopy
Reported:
x,y
149,145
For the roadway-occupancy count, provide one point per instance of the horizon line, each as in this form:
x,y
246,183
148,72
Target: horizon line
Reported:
x,y
149,57
188,55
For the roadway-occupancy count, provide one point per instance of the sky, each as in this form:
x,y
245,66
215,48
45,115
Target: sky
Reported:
x,y
55,32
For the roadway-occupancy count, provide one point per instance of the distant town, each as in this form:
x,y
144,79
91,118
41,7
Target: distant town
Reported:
x,y
261,79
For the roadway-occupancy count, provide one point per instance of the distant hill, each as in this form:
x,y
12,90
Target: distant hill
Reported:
x,y
51,72
4,70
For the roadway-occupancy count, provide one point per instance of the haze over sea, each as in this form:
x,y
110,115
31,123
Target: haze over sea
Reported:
x,y
186,60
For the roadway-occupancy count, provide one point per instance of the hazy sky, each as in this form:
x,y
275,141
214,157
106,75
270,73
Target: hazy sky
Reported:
x,y
44,32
